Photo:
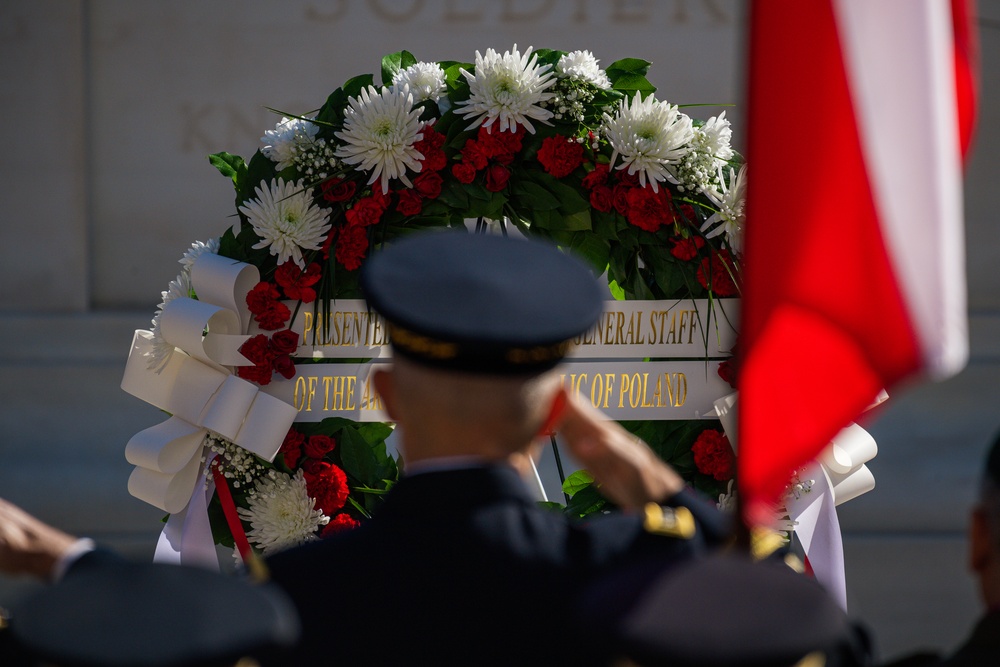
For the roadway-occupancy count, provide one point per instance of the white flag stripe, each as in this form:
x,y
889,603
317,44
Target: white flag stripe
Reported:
x,y
899,59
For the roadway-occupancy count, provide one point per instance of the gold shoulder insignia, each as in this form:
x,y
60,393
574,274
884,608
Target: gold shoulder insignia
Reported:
x,y
673,522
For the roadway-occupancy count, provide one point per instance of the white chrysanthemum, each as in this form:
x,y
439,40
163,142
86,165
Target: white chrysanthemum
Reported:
x,y
583,65
196,250
730,200
281,513
426,81
715,137
508,88
709,151
380,129
159,355
285,218
287,139
650,136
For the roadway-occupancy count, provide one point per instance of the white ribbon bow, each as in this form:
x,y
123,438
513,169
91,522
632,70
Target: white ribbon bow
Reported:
x,y
196,387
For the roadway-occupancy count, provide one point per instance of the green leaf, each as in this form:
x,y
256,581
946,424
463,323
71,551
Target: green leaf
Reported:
x,y
595,251
586,501
364,461
616,291
229,165
576,482
632,83
259,171
627,66
354,85
533,196
574,222
393,63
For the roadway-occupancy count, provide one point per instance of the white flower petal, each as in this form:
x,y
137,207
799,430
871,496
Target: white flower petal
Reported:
x,y
649,136
507,90
285,218
280,513
380,128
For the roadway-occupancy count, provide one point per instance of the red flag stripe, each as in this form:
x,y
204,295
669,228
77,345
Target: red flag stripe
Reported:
x,y
826,318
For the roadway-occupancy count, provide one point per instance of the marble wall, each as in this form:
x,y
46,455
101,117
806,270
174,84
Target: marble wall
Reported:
x,y
111,108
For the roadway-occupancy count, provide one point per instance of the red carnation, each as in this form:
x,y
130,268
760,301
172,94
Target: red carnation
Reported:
x,y
339,524
727,371
685,214
318,446
298,283
327,484
274,317
430,147
474,154
283,365
381,199
257,351
560,156
285,341
687,249
464,172
723,272
714,456
366,211
352,244
428,184
262,296
291,447
599,176
337,189
647,209
500,145
497,176
628,178
619,197
601,198
410,202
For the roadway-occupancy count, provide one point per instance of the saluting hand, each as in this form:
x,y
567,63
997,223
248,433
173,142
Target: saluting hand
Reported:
x,y
627,471
27,544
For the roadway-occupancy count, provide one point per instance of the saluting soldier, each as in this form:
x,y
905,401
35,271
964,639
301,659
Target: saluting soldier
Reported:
x,y
460,566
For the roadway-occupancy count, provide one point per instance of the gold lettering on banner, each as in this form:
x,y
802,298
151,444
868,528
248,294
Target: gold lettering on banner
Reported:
x,y
370,398
305,392
345,328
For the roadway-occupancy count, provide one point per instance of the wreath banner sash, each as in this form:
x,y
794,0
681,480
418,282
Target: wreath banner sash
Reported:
x,y
675,328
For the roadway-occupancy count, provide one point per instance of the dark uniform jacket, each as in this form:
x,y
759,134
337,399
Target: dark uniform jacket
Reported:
x,y
981,649
462,567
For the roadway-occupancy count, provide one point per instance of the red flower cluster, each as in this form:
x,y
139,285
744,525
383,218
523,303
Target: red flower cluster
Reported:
x,y
718,273
268,311
352,238
490,151
295,445
713,455
269,355
621,192
327,484
560,156
339,524
297,283
428,184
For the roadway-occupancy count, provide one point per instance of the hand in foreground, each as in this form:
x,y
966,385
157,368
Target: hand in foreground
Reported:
x,y
27,544
628,472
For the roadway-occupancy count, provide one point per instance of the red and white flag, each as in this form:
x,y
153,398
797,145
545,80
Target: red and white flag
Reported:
x,y
854,264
